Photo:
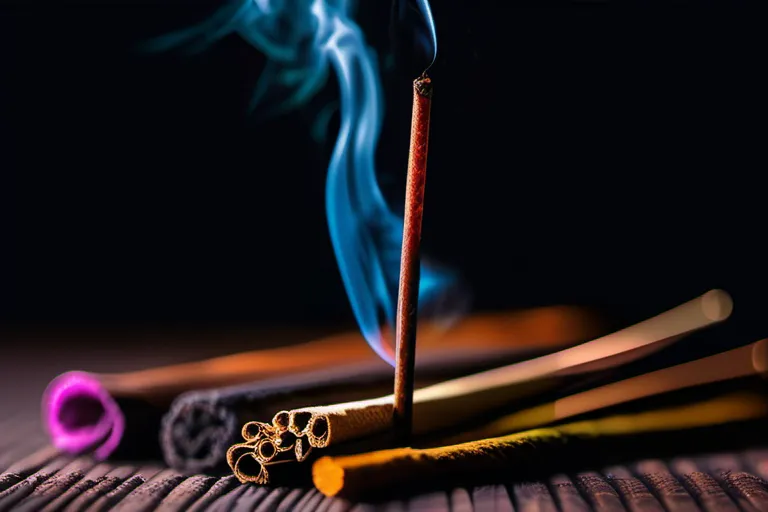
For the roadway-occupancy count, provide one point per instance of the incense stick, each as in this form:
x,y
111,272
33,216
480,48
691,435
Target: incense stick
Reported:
x,y
456,401
408,296
364,473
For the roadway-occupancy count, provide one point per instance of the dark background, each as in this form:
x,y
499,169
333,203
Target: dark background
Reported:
x,y
581,153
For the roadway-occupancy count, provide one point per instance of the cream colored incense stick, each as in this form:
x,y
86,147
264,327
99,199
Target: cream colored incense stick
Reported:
x,y
455,401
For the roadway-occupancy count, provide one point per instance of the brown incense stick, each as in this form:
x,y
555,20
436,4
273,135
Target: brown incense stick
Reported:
x,y
408,295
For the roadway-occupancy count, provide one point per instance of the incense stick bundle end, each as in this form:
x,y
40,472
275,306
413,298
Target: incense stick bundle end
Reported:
x,y
180,440
80,414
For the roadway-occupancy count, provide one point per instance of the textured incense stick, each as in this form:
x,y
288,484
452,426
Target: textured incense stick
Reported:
x,y
389,469
103,411
408,296
454,402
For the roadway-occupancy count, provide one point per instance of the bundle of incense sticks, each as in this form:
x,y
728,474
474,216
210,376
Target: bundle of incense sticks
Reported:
x,y
102,412
201,425
525,453
291,434
747,361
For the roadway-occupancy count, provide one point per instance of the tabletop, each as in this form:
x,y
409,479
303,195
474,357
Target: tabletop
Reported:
x,y
34,476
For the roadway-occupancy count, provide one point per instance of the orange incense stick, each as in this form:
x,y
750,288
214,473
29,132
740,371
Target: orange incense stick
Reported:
x,y
408,296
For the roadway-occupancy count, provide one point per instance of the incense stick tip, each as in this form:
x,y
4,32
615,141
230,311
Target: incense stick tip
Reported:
x,y
423,86
80,414
328,476
717,305
760,356
184,420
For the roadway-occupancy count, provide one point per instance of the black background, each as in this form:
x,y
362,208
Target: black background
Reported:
x,y
581,153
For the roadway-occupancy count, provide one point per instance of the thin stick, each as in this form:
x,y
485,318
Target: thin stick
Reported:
x,y
408,296
740,362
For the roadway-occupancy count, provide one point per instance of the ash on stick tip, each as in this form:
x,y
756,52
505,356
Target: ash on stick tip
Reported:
x,y
423,85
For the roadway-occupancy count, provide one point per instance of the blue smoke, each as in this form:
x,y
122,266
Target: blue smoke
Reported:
x,y
303,40
420,31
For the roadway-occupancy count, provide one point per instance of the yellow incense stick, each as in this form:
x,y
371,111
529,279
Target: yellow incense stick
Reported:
x,y
354,474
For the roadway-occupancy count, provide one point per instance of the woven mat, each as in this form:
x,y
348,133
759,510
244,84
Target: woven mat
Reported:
x,y
35,477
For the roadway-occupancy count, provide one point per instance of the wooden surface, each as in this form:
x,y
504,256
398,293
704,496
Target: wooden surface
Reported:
x,y
48,481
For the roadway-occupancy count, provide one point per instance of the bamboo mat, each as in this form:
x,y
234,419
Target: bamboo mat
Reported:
x,y
34,477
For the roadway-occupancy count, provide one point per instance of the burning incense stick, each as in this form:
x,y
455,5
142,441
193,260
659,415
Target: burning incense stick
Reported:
x,y
408,296
454,402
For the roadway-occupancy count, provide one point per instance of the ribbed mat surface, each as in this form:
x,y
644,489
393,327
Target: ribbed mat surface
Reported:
x,y
34,477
